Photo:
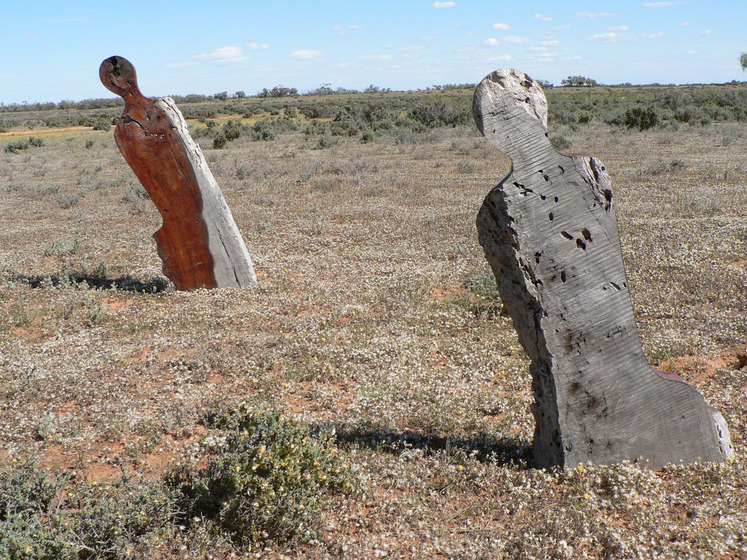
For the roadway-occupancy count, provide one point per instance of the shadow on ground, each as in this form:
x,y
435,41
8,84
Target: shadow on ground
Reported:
x,y
95,281
484,448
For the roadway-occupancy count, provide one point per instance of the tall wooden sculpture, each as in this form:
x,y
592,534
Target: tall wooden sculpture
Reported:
x,y
550,234
199,243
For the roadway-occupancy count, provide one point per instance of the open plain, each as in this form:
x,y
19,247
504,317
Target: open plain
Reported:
x,y
377,316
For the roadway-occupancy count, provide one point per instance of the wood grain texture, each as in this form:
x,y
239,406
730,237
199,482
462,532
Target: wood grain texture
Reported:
x,y
550,234
199,243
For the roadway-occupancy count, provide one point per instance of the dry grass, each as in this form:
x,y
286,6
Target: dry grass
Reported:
x,y
375,315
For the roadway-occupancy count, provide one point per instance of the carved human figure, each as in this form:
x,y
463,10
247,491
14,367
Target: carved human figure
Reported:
x,y
199,243
550,234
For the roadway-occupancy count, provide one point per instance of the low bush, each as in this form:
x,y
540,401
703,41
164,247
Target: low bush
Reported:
x,y
44,516
102,124
19,145
16,146
640,118
266,479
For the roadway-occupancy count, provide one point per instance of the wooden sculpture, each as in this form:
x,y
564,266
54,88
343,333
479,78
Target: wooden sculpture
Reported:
x,y
550,234
199,243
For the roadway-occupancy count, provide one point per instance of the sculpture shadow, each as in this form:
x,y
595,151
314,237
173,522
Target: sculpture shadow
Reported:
x,y
96,281
503,451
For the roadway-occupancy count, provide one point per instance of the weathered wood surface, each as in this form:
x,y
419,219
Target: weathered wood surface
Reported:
x,y
550,234
199,243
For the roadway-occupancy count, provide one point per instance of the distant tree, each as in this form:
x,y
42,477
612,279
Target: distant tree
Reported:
x,y
222,96
544,84
578,81
278,91
743,61
324,89
240,94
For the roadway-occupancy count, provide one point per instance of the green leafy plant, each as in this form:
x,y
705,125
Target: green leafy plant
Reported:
x,y
642,119
16,146
267,478
101,124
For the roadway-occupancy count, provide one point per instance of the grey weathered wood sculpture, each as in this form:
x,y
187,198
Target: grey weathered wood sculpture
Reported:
x,y
199,243
550,234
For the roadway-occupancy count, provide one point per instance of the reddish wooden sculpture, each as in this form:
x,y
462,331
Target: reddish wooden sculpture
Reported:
x,y
199,243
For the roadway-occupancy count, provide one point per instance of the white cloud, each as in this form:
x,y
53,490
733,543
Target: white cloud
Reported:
x,y
562,27
706,33
340,31
690,51
223,55
609,37
515,39
376,57
550,43
620,28
430,38
592,15
542,17
411,48
257,46
501,58
664,4
492,42
307,54
443,4
6,76
684,24
613,36
501,26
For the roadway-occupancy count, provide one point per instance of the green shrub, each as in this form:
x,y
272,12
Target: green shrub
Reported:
x,y
219,141
642,119
266,479
326,141
45,517
440,113
16,146
27,496
101,124
560,142
232,130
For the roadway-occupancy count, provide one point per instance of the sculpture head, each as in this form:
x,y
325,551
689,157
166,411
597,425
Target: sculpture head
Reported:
x,y
510,109
118,75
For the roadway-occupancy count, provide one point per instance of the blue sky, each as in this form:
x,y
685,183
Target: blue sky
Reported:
x,y
51,50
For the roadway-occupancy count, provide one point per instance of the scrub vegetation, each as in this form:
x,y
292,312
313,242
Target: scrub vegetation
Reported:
x,y
369,399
